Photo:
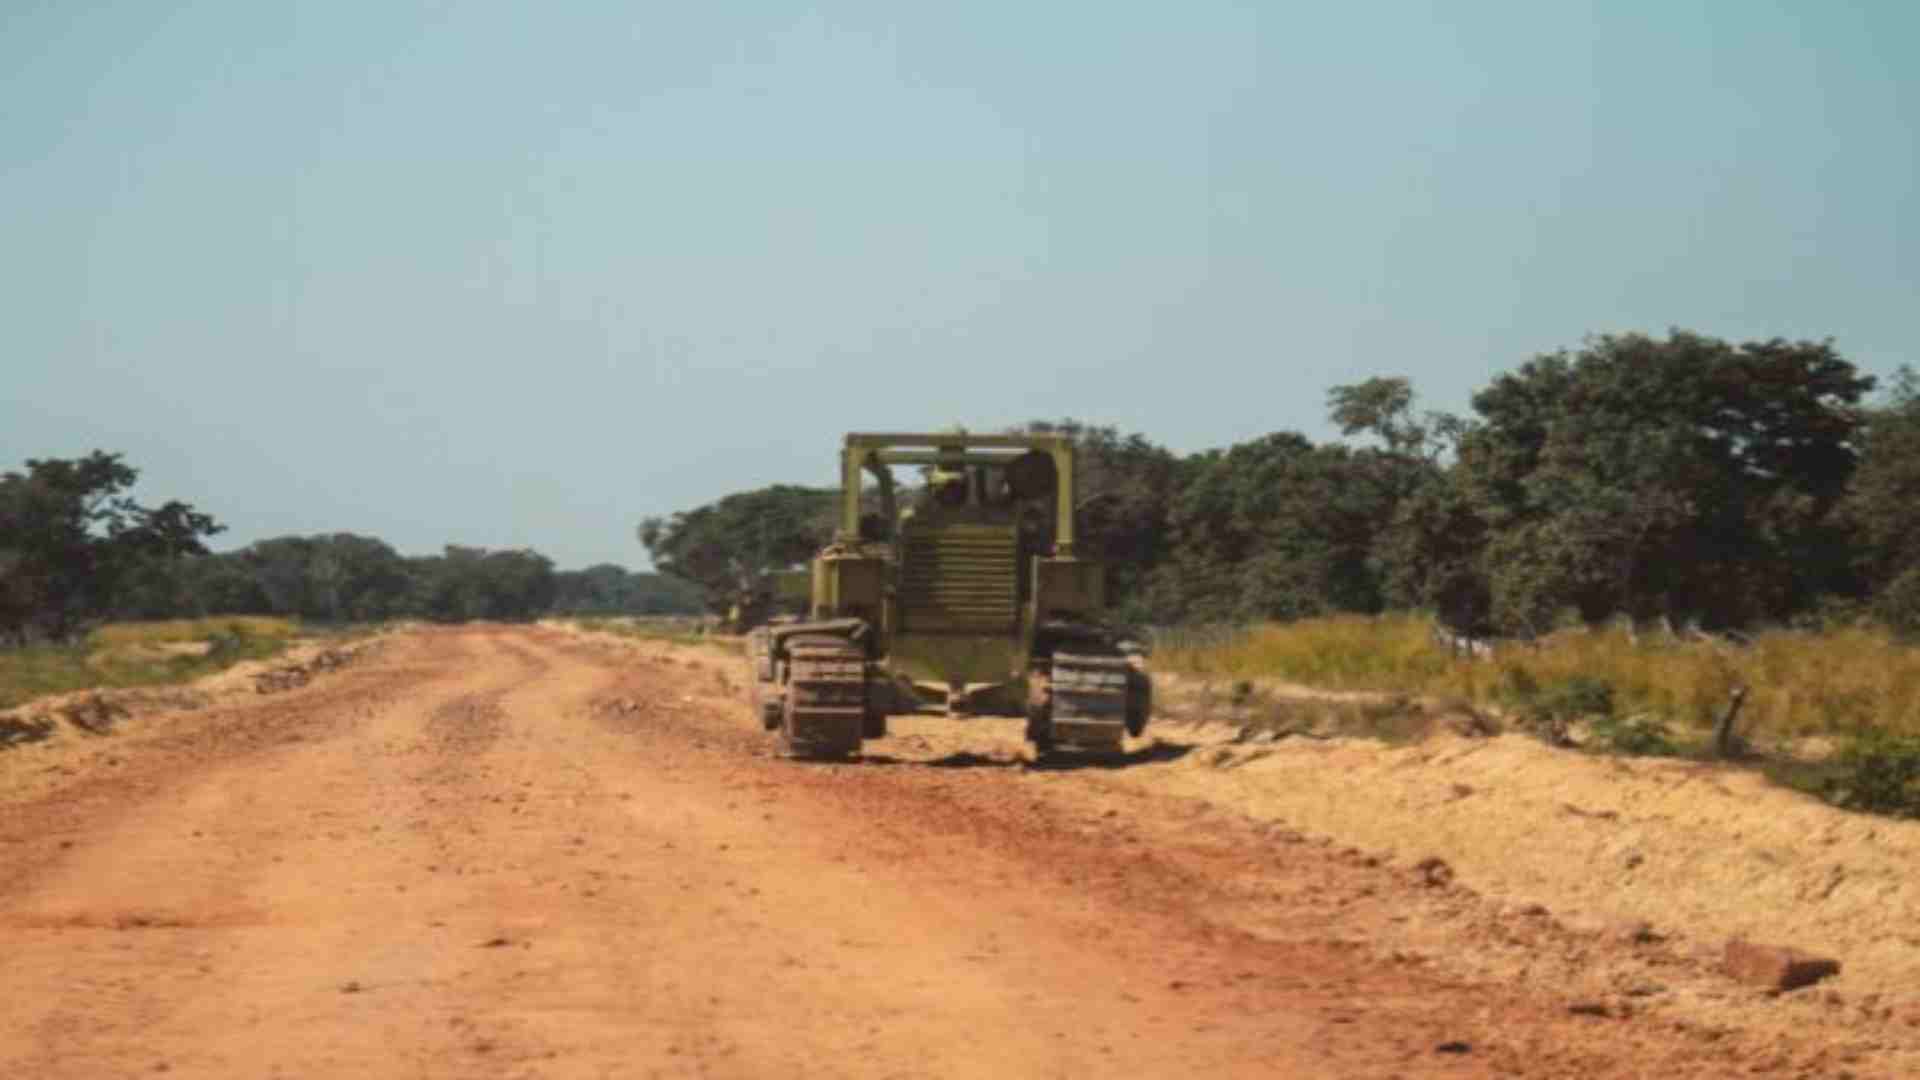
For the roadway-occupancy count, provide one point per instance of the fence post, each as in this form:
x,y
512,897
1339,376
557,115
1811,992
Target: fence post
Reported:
x,y
1723,740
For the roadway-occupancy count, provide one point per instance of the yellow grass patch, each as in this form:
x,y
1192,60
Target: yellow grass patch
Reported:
x,y
1799,683
140,654
166,631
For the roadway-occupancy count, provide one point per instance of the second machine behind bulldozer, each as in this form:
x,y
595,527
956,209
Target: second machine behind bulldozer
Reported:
x,y
972,601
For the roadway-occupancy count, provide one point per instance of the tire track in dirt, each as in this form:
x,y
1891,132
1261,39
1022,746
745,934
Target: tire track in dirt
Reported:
x,y
1273,900
1123,900
507,852
169,882
1109,889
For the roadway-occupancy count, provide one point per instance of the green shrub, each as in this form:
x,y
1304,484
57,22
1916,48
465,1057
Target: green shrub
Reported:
x,y
1577,696
1548,709
1899,604
123,655
1881,773
1517,689
1567,698
237,642
1640,735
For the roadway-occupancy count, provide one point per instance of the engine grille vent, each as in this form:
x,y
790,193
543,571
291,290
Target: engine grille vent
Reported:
x,y
962,578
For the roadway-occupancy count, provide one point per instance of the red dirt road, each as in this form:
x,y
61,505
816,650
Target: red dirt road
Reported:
x,y
515,852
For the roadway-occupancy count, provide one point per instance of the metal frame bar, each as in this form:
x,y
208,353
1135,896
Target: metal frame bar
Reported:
x,y
868,450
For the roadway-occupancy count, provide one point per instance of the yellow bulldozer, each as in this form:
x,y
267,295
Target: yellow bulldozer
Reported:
x,y
970,601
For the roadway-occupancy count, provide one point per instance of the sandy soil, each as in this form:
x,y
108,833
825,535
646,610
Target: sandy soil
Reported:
x,y
523,852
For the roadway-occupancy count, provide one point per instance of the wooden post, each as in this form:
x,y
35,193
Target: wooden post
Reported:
x,y
1723,739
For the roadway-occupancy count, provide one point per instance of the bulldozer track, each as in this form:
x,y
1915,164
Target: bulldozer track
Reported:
x,y
826,699
1090,700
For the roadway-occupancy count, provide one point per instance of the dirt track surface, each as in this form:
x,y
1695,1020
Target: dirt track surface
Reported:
x,y
519,852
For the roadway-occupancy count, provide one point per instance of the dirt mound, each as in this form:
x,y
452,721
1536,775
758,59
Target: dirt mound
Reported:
x,y
98,712
53,719
1696,853
1701,853
291,676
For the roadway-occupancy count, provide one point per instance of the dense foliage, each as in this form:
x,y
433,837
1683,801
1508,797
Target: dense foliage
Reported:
x,y
1686,479
606,589
347,578
1882,509
74,551
727,548
71,540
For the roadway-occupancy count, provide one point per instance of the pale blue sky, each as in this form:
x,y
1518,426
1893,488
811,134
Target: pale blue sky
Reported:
x,y
522,274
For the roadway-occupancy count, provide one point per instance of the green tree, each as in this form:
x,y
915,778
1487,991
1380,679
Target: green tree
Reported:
x,y
1883,506
1383,408
598,590
362,579
1427,550
1125,486
1433,557
219,584
279,568
661,594
1276,528
728,547
71,541
1686,477
333,577
466,583
606,589
1884,503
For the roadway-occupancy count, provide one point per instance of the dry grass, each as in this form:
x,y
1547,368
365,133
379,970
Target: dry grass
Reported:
x,y
679,629
138,654
170,631
1837,682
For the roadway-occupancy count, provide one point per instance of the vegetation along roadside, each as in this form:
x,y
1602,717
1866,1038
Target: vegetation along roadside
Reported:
x,y
121,655
1834,711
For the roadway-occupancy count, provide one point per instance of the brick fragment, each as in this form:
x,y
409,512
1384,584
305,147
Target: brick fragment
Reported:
x,y
1775,967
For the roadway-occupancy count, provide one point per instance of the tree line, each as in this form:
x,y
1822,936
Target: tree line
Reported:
x,y
1683,478
75,550
1686,478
